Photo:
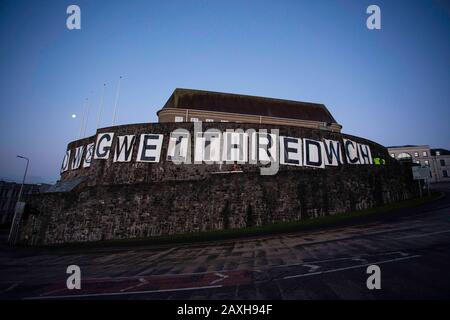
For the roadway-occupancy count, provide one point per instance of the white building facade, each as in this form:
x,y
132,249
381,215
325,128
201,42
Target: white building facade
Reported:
x,y
441,161
438,160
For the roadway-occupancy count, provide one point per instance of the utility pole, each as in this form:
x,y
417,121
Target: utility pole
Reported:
x,y
19,208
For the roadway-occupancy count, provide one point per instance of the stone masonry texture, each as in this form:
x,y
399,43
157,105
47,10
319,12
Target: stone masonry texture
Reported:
x,y
136,200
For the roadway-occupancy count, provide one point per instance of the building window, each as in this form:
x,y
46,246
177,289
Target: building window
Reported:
x,y
416,154
445,173
393,155
404,155
209,120
417,161
438,153
442,161
424,154
427,163
223,120
178,119
194,119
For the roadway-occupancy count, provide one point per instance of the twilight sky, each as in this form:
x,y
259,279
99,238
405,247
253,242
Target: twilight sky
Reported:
x,y
390,85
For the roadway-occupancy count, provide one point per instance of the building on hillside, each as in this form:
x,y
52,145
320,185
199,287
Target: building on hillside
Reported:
x,y
441,160
437,159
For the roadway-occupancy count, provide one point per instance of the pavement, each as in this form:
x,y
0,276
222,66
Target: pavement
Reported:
x,y
411,248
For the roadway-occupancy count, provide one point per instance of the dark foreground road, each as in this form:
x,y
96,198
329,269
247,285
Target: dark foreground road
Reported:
x,y
411,247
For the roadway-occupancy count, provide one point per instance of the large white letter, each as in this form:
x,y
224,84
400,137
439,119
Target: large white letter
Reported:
x,y
235,146
333,153
313,152
103,145
266,147
207,147
88,157
291,151
178,148
124,148
351,151
78,155
150,147
365,156
65,163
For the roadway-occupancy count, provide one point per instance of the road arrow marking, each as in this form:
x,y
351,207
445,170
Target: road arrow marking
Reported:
x,y
142,282
312,267
221,278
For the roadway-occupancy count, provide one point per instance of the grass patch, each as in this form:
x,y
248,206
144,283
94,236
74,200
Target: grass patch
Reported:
x,y
325,221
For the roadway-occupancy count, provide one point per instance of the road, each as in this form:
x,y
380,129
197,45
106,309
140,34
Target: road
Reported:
x,y
411,247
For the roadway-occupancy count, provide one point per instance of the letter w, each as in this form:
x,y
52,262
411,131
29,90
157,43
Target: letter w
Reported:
x,y
124,148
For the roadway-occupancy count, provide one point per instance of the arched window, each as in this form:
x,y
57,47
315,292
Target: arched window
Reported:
x,y
404,155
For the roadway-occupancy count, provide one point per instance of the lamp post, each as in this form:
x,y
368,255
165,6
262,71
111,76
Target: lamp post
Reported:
x,y
18,211
24,177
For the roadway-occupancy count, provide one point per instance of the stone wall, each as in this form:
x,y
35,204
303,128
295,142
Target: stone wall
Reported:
x,y
134,200
214,203
107,172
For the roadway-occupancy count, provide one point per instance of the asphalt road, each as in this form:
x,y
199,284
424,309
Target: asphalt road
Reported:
x,y
411,247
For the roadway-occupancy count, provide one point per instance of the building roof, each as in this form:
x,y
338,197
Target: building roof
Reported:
x,y
244,104
443,152
66,185
11,184
409,146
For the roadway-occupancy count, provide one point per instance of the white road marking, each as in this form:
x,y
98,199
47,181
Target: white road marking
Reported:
x,y
360,260
301,263
138,276
312,267
14,285
348,268
422,235
356,258
221,277
142,282
120,293
348,234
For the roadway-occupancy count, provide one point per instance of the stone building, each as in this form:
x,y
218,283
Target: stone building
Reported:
x,y
438,160
441,161
186,105
122,182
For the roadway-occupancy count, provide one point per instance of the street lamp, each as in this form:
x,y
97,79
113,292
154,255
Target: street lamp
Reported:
x,y
24,176
18,211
